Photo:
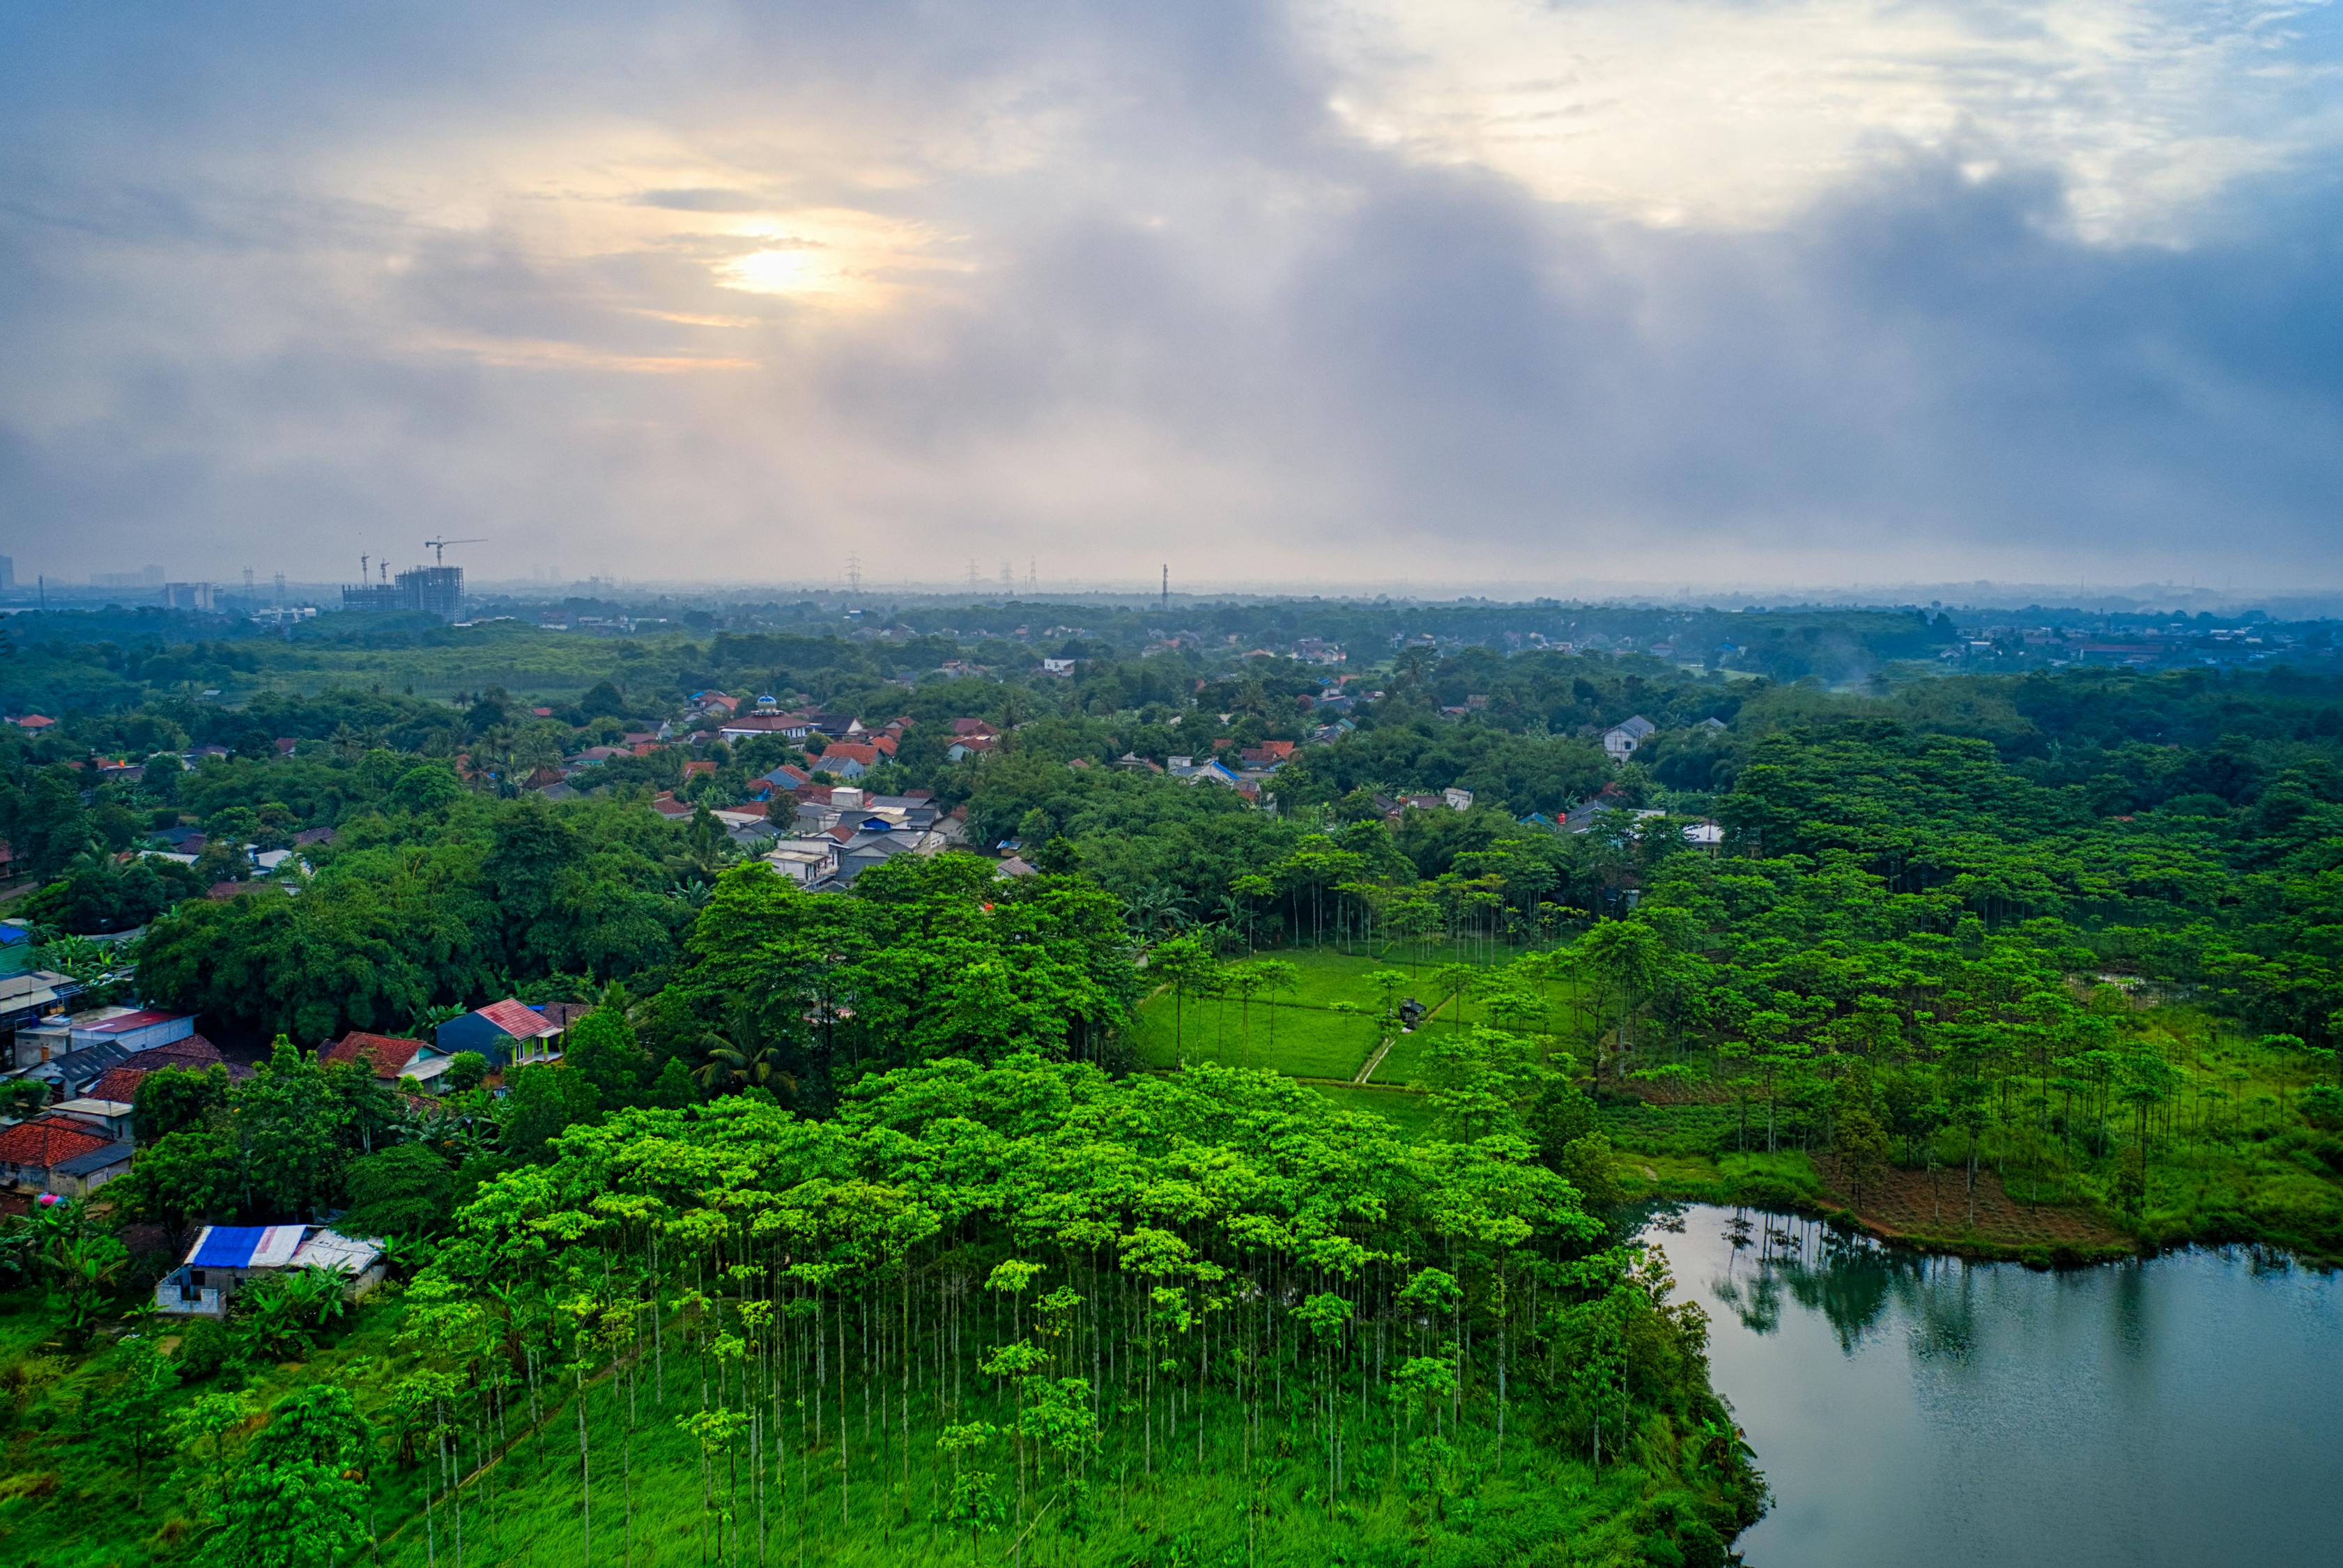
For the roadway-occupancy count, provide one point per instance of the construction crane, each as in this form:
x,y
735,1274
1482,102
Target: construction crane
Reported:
x,y
438,547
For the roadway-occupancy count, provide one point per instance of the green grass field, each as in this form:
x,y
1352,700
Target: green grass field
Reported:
x,y
1303,1033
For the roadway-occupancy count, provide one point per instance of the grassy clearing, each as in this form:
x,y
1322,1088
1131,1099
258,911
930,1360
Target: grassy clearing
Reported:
x,y
1303,1033
1411,1113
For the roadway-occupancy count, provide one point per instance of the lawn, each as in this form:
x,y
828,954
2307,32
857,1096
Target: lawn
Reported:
x,y
1304,1032
1409,1113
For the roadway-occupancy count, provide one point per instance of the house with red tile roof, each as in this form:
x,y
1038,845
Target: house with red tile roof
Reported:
x,y
57,1154
388,1055
853,759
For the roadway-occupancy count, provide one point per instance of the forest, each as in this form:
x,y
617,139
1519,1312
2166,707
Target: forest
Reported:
x,y
1121,1211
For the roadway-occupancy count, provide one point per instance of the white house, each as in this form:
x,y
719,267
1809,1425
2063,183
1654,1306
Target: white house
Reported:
x,y
1621,740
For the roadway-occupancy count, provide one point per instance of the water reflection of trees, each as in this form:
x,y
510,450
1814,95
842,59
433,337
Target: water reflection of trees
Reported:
x,y
1849,1278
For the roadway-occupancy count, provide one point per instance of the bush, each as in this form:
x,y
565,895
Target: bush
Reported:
x,y
204,1350
403,1191
2322,1107
466,1069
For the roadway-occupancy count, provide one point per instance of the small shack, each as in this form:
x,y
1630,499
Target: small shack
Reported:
x,y
225,1258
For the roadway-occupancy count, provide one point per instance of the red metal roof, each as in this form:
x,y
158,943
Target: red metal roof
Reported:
x,y
130,1020
516,1019
48,1141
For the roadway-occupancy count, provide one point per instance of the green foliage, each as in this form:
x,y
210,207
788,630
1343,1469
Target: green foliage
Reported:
x,y
406,1190
540,1103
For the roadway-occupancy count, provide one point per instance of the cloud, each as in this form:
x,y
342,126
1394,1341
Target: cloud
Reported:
x,y
1310,295
703,200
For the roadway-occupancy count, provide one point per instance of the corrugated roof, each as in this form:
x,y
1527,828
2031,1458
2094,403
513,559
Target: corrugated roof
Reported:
x,y
516,1019
96,1160
343,1254
131,1021
245,1246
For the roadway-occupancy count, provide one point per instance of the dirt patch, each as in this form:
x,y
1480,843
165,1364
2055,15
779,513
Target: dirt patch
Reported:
x,y
1665,1092
1915,1206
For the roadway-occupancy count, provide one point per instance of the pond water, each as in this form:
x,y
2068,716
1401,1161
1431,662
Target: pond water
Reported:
x,y
1918,1411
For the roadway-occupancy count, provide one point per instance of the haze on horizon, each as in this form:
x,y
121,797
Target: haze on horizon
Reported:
x,y
1333,291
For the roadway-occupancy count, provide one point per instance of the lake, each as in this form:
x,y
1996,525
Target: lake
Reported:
x,y
1916,1411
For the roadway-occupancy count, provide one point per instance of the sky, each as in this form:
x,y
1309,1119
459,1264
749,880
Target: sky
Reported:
x,y
1324,294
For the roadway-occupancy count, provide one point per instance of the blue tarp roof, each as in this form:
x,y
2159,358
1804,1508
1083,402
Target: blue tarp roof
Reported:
x,y
245,1246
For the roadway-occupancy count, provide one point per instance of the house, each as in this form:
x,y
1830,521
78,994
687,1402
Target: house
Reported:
x,y
1458,800
1712,725
964,728
1210,771
1621,740
60,1155
1583,817
967,746
1268,755
111,1117
389,1056
805,861
853,759
226,1258
1704,835
505,1032
34,723
668,806
1060,668
787,726
1134,762
121,1082
125,1029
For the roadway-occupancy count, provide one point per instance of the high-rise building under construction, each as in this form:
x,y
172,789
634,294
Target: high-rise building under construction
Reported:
x,y
427,591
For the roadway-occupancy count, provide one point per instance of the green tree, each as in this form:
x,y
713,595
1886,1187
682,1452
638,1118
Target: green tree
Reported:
x,y
300,1500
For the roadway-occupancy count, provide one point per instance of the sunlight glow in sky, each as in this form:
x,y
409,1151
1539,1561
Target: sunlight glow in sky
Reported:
x,y
1333,291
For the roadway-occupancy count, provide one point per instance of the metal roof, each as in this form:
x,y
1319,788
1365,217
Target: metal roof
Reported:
x,y
245,1246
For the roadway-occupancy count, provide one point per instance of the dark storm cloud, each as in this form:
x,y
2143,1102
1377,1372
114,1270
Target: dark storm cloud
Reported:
x,y
287,285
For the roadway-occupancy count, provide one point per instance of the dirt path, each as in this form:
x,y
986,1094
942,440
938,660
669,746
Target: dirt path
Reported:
x,y
1376,1059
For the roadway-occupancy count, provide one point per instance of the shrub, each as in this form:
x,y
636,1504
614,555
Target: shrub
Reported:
x,y
204,1350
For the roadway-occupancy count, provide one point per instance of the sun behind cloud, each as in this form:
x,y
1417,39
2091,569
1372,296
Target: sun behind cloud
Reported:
x,y
838,257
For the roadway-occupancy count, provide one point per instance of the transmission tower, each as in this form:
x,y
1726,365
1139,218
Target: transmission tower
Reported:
x,y
1032,577
972,573
1166,602
854,575
1008,579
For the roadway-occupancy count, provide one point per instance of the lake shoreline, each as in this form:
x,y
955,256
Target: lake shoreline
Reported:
x,y
1649,1187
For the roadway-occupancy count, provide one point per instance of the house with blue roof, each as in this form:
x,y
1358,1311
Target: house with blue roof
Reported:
x,y
226,1258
